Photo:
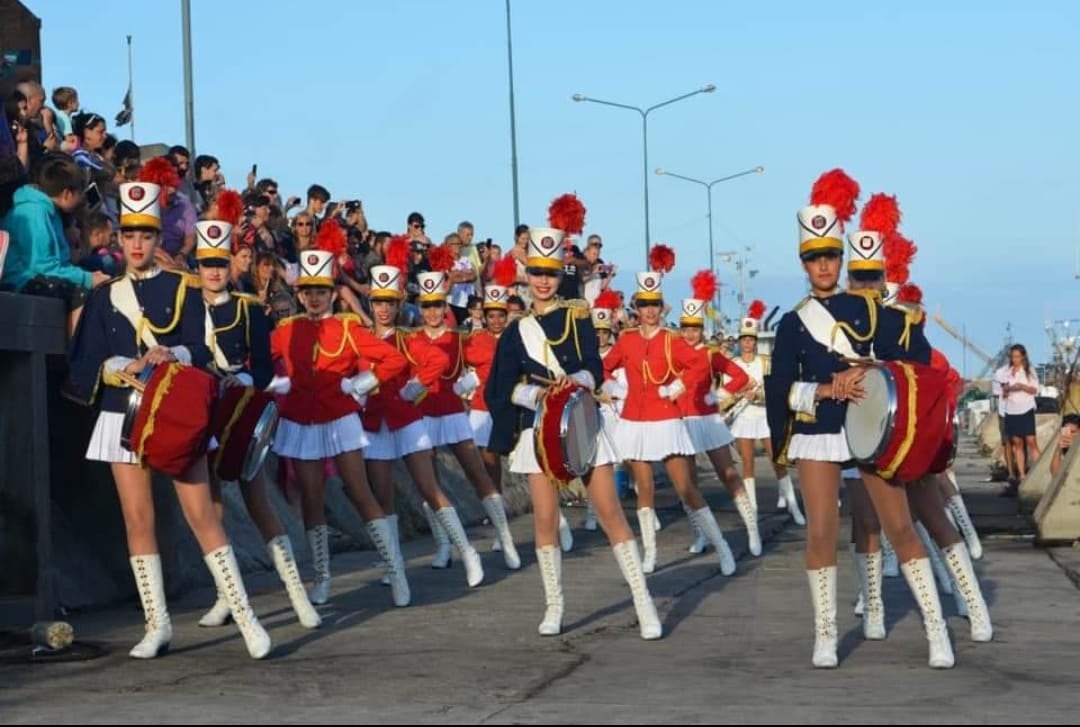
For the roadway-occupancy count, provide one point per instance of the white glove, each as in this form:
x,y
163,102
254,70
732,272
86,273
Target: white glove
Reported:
x,y
710,398
673,390
466,384
412,391
614,389
279,385
359,385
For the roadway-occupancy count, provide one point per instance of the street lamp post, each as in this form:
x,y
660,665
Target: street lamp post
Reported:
x,y
708,190
645,138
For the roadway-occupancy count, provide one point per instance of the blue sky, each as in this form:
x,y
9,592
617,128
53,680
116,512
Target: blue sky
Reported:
x,y
967,112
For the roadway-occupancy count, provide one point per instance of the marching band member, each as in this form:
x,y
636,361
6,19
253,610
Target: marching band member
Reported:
x,y
603,311
480,355
238,336
902,338
707,429
751,425
448,426
392,417
150,317
660,368
555,341
333,363
805,398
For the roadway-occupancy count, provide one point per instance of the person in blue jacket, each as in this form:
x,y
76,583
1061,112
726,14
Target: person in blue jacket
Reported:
x,y
38,260
145,318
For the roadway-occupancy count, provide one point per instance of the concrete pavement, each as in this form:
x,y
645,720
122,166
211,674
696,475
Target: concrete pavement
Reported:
x,y
735,649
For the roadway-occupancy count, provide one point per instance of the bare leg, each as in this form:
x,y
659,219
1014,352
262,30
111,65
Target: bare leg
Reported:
x,y
469,458
351,468
1018,457
259,508
1032,448
746,455
743,497
601,492
725,468
137,506
493,464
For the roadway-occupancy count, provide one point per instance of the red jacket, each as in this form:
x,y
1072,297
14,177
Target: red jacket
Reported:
x,y
480,354
650,364
692,403
318,354
444,402
956,382
426,363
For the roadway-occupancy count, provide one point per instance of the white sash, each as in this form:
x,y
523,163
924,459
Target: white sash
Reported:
x,y
823,328
220,361
122,296
536,345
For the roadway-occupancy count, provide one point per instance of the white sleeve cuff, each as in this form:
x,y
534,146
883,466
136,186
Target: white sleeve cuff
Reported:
x,y
676,389
526,395
116,364
801,398
279,385
364,382
183,355
614,389
245,378
585,378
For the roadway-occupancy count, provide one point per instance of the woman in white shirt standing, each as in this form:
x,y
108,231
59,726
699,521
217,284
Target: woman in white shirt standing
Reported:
x,y
1019,385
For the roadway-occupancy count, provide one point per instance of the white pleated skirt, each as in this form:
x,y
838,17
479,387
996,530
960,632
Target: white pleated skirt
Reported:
x,y
751,423
819,447
708,432
319,441
105,441
449,429
385,445
653,441
523,458
481,424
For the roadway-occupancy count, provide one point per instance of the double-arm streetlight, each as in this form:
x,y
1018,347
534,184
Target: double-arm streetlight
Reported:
x,y
708,189
645,139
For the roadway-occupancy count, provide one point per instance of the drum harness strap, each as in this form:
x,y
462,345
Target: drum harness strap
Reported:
x,y
122,295
220,360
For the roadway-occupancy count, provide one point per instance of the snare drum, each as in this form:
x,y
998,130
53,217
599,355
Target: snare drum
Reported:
x,y
903,428
245,420
566,431
167,423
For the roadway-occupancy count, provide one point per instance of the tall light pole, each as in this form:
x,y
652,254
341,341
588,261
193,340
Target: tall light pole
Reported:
x,y
708,193
741,260
645,139
513,122
189,94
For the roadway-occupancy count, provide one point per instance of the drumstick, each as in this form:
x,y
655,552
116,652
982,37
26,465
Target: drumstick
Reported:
x,y
542,380
130,380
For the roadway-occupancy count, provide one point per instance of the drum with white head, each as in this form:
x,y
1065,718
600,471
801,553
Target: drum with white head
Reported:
x,y
869,422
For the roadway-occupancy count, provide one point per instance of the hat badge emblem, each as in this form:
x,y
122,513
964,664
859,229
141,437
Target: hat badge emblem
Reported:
x,y
313,259
384,277
818,222
137,194
650,283
866,242
213,232
429,284
547,242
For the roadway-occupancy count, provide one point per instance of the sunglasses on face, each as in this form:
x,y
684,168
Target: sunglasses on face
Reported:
x,y
271,192
542,272
303,224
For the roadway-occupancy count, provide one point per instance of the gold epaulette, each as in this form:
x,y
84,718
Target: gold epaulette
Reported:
x,y
191,280
247,296
577,306
290,319
349,317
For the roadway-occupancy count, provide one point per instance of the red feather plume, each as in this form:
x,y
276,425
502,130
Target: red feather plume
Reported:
x,y
881,213
607,300
909,293
567,213
161,172
661,259
899,252
397,252
441,259
230,206
504,272
756,310
836,189
704,285
331,238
